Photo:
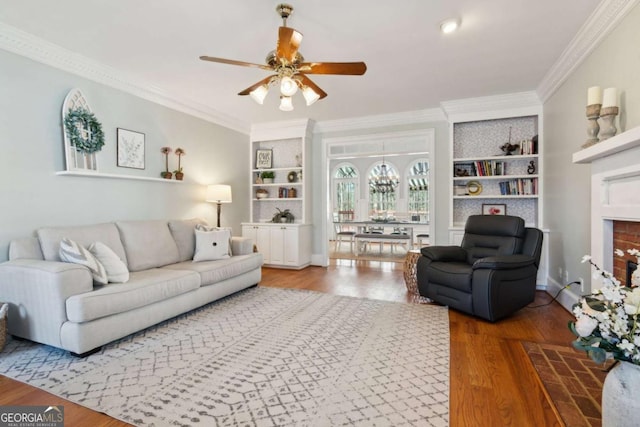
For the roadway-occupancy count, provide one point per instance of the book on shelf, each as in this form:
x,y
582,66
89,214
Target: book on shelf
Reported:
x,y
519,187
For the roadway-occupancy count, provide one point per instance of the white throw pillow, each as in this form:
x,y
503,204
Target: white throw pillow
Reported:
x,y
205,227
117,271
212,245
71,251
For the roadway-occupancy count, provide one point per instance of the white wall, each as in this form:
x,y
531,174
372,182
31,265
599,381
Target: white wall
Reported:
x,y
31,151
615,63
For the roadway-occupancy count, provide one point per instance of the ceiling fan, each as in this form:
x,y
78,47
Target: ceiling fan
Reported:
x,y
290,68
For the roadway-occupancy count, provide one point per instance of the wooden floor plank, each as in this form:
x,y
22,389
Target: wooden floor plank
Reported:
x,y
492,381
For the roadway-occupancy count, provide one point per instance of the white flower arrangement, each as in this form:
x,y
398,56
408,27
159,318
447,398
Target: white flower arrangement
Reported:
x,y
607,320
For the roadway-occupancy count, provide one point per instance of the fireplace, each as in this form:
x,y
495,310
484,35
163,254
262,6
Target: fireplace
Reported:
x,y
615,199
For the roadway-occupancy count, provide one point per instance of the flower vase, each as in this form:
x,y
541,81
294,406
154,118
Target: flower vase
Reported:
x,y
179,176
620,403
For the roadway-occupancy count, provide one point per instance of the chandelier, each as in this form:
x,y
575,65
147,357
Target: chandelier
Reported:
x,y
383,182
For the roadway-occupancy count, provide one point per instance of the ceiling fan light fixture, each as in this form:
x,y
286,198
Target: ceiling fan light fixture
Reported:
x,y
259,94
310,95
449,25
286,103
288,86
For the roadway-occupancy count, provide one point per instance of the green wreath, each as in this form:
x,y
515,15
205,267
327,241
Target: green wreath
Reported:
x,y
88,121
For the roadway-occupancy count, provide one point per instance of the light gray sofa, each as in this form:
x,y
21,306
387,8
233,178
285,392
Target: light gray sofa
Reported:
x,y
56,303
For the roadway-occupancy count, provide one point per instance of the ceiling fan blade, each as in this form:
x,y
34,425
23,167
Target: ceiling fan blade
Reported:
x,y
346,68
234,62
264,81
288,43
307,82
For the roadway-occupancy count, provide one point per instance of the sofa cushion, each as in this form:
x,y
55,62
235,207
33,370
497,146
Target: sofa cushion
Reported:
x,y
183,233
212,245
116,269
75,253
216,271
108,234
148,244
144,288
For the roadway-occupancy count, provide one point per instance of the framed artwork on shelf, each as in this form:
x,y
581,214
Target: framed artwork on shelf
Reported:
x,y
494,209
264,159
130,149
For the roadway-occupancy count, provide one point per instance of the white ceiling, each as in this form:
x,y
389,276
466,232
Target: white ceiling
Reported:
x,y
503,46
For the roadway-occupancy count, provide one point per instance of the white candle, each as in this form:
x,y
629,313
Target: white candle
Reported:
x,y
610,98
594,95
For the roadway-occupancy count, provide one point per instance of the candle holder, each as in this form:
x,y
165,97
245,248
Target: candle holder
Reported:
x,y
593,112
608,115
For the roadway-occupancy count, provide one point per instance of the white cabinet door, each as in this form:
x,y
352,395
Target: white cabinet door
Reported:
x,y
291,246
261,238
277,245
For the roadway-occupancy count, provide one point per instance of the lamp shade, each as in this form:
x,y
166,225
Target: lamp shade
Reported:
x,y
310,95
285,103
219,193
259,94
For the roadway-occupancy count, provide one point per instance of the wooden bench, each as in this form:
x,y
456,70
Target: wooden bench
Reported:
x,y
361,238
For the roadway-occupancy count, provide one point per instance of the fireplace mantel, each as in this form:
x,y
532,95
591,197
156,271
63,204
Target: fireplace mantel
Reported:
x,y
615,179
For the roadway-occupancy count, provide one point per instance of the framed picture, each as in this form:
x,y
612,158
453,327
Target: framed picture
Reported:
x,y
494,209
264,159
130,149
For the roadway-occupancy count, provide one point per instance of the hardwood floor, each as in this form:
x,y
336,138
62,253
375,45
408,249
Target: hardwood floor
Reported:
x,y
492,381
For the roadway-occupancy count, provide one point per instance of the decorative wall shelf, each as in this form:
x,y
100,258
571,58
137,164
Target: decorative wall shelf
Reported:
x,y
622,141
116,176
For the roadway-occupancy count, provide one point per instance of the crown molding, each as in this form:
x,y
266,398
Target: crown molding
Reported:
x,y
30,46
490,107
380,120
602,21
296,128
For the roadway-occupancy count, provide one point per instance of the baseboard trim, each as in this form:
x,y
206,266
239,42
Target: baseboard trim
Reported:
x,y
567,297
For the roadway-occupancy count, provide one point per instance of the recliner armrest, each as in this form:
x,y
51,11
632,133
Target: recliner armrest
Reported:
x,y
444,253
504,262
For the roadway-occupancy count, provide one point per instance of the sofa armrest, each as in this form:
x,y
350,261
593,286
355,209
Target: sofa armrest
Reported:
x,y
37,291
504,262
241,245
444,253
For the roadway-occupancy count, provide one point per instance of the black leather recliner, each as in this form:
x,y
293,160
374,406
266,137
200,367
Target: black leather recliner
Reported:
x,y
491,275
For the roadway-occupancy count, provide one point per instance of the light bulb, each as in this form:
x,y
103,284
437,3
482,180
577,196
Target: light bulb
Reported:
x,y
450,25
288,87
286,104
310,95
259,93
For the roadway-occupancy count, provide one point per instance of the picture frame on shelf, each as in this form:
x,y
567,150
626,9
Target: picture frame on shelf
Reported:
x,y
130,149
264,159
494,209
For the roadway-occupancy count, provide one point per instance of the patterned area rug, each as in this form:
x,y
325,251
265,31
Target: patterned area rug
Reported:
x,y
266,357
572,380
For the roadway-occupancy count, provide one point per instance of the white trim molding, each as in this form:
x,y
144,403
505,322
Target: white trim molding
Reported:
x,y
604,18
30,46
492,107
380,120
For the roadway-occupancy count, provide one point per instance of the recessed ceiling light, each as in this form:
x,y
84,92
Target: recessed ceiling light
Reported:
x,y
450,25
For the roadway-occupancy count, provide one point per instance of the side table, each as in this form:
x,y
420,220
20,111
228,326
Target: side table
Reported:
x,y
410,276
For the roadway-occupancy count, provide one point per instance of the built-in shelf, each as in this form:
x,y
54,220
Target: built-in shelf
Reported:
x,y
116,176
271,199
512,157
502,177
497,196
623,141
280,184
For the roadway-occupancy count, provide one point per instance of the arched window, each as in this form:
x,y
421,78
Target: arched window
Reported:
x,y
418,189
383,187
345,190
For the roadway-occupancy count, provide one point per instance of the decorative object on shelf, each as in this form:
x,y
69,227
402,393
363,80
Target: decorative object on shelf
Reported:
x,y
531,169
268,177
264,159
219,193
166,151
608,113
474,188
292,193
594,102
261,193
299,160
508,148
292,176
178,172
83,135
494,209
258,178
283,216
606,327
130,148
290,69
